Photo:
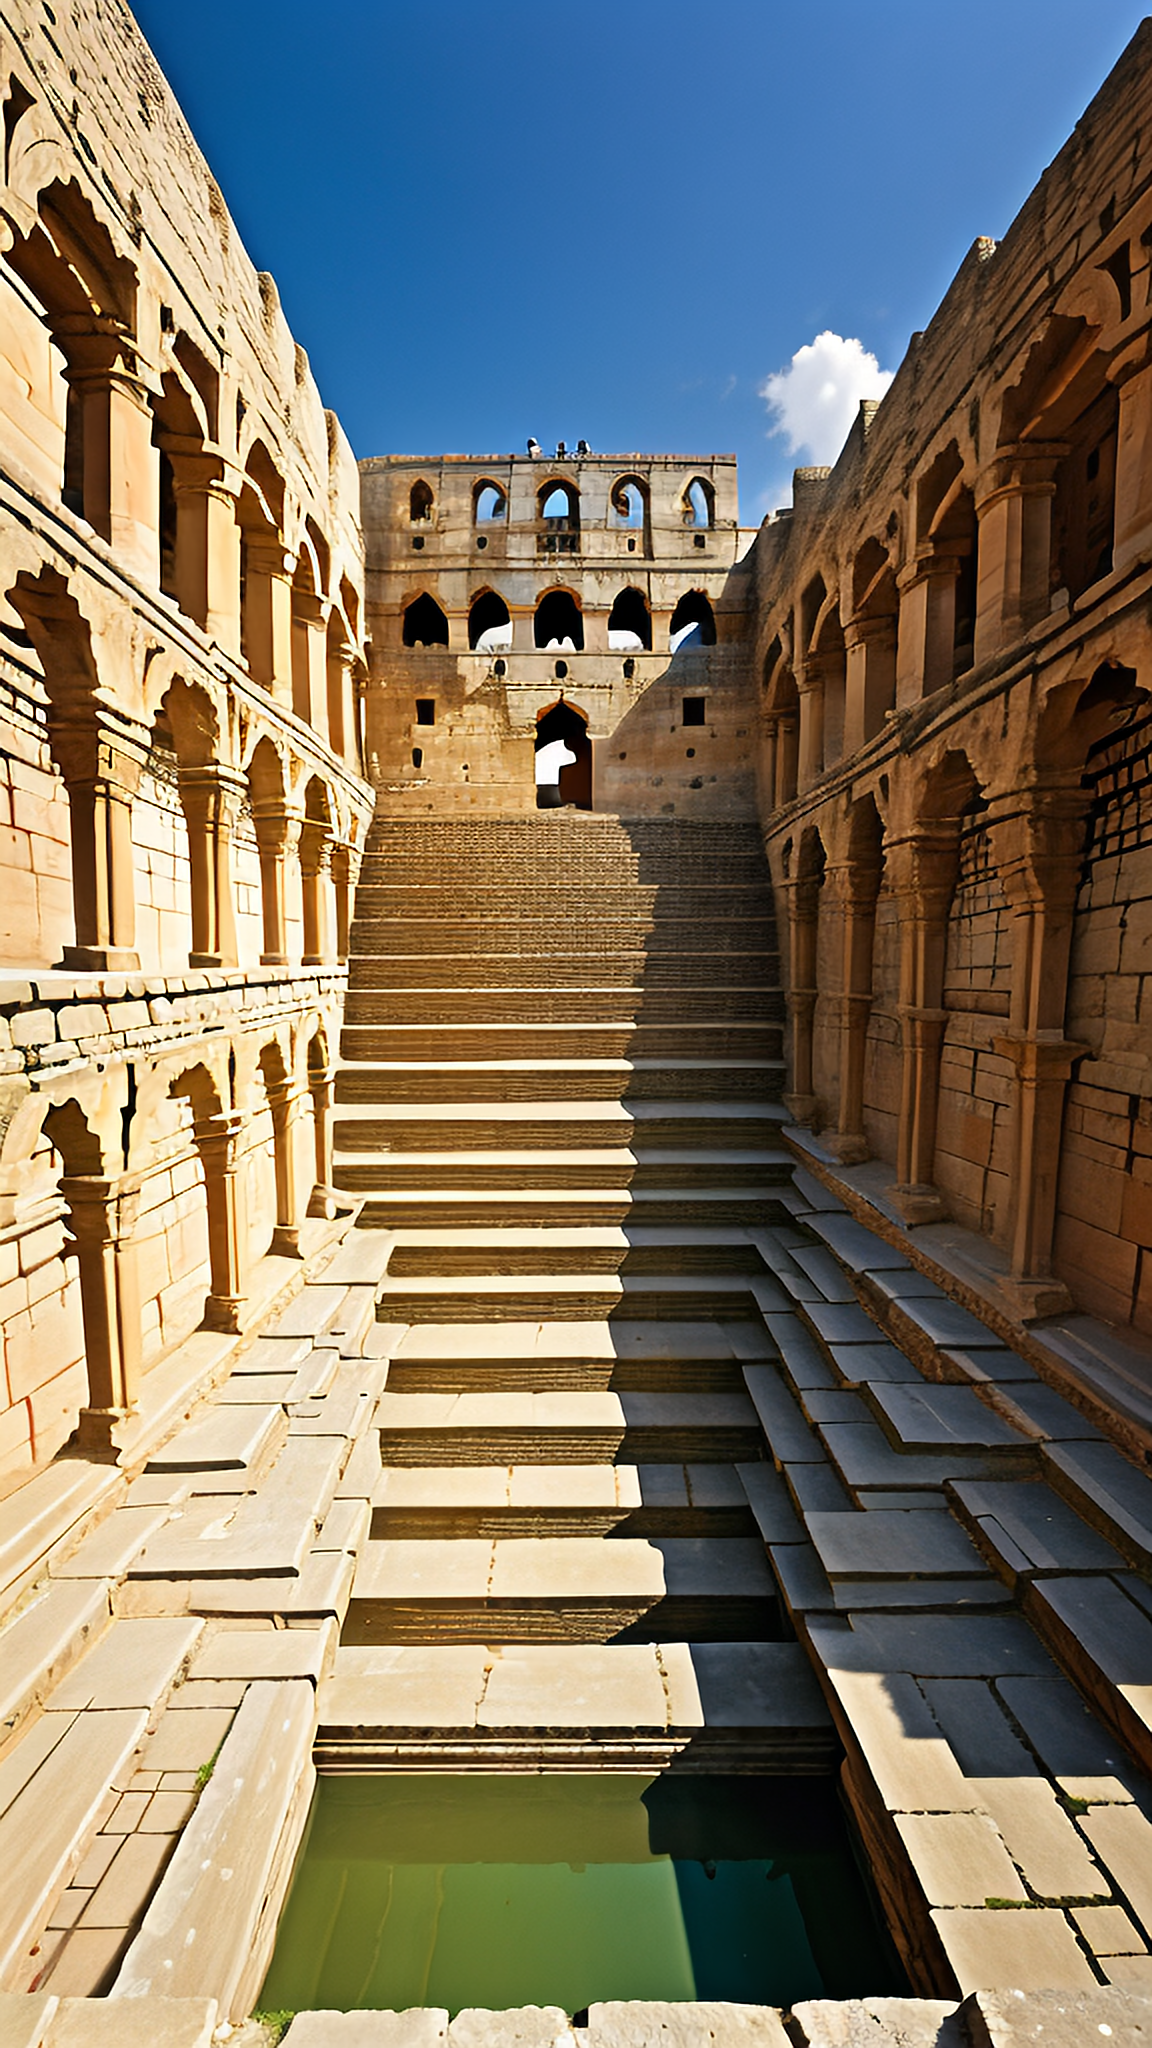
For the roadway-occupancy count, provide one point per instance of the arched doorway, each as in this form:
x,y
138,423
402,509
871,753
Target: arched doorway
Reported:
x,y
563,758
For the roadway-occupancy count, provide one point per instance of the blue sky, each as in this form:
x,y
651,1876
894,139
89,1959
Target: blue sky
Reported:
x,y
589,218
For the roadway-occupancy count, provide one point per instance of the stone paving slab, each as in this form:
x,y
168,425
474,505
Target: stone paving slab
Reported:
x,y
1031,1950
199,1933
878,2023
132,1666
1045,1532
111,1547
1084,1758
48,1826
903,1545
938,1646
933,1418
865,1458
640,2024
529,2026
1105,1641
1041,2018
24,2018
422,2027
959,1858
1110,1491
228,1439
162,2023
45,1640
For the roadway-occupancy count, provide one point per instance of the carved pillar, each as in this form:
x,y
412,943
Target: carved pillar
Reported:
x,y
121,466
851,891
802,898
218,1141
787,760
277,833
924,868
268,572
207,541
1133,522
102,771
101,1218
211,797
310,660
1039,846
768,757
316,871
1014,509
341,661
324,1200
926,646
284,1098
870,685
810,684
345,873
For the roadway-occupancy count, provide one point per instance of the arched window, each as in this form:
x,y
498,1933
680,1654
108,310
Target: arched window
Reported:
x,y
630,622
420,501
563,758
692,622
559,622
489,625
490,502
558,513
424,623
699,503
628,500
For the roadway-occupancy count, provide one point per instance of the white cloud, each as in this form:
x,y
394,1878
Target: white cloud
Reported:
x,y
814,401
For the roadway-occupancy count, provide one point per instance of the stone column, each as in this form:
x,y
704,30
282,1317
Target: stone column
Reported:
x,y
924,871
284,1098
1039,848
1133,525
316,870
102,773
787,758
852,891
121,466
211,799
810,684
870,684
268,572
207,541
345,874
101,1218
768,757
310,660
324,1200
802,913
277,834
523,624
218,1141
1014,510
926,644
341,661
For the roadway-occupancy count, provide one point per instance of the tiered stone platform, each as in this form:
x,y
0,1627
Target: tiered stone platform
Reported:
x,y
697,1471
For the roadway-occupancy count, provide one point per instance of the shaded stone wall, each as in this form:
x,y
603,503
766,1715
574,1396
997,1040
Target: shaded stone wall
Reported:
x,y
952,650
181,803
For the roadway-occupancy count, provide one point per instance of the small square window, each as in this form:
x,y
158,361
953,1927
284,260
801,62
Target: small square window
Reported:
x,y
694,710
426,710
701,539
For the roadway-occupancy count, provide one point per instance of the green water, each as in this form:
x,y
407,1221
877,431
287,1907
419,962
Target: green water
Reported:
x,y
564,1889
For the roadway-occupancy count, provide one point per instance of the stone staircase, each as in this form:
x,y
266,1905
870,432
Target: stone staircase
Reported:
x,y
560,1095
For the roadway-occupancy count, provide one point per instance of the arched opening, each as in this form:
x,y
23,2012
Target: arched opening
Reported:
x,y
871,687
273,827
420,502
559,623
830,653
489,623
425,625
630,621
563,758
628,503
693,623
490,503
698,504
558,517
265,576
947,533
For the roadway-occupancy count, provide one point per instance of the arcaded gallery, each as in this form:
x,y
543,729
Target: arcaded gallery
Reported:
x,y
575,1150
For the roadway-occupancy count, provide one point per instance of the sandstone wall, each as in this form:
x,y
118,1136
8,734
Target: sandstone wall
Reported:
x,y
954,736
181,801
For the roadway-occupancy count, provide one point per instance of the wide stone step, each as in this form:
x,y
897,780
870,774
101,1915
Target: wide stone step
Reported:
x,y
535,1043
539,896
393,1172
466,1590
480,1126
383,1002
622,969
597,934
490,1208
522,1080
443,1253
481,1298
637,1355
553,1589
560,1500
567,1428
